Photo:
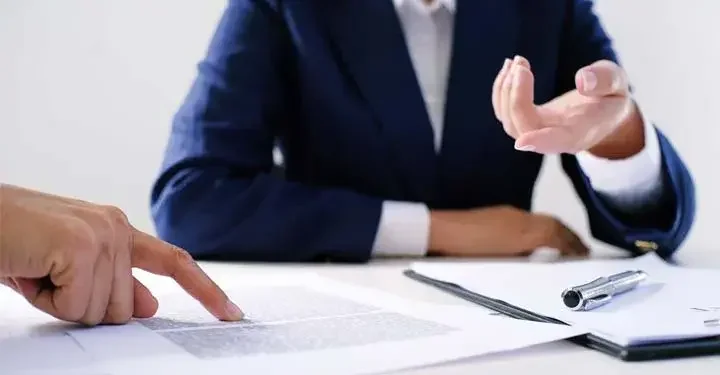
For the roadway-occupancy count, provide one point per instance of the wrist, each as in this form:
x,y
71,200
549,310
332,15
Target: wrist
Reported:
x,y
626,140
441,224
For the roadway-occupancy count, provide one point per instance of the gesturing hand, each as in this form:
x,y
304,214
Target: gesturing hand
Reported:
x,y
74,260
573,122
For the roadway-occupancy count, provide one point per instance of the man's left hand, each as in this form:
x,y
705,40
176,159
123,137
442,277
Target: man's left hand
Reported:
x,y
587,118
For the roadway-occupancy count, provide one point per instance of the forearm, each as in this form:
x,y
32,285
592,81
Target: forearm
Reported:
x,y
666,220
446,232
263,218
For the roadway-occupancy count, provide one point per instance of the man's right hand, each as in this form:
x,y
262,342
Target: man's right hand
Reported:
x,y
73,260
500,231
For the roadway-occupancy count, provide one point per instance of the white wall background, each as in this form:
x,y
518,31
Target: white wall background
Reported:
x,y
88,88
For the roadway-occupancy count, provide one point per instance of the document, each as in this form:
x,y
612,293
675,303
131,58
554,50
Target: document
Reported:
x,y
294,324
673,303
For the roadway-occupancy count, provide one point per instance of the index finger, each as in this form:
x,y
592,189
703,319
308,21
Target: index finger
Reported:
x,y
497,85
522,101
161,258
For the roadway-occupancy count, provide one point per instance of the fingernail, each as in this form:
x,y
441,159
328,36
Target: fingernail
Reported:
x,y
234,311
589,80
506,63
525,148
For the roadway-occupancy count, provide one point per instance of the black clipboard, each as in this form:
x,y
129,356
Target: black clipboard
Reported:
x,y
635,353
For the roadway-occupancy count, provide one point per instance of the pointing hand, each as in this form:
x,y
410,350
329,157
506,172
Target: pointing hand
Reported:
x,y
74,260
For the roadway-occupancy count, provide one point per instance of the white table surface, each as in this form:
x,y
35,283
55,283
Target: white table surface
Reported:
x,y
553,358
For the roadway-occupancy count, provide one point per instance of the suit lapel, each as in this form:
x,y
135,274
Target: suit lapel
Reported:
x,y
369,41
485,34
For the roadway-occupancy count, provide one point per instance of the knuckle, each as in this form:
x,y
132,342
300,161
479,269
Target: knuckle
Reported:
x,y
183,258
557,228
79,236
100,227
106,252
104,235
549,228
117,217
118,227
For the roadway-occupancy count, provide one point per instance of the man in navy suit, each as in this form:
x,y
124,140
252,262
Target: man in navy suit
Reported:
x,y
412,127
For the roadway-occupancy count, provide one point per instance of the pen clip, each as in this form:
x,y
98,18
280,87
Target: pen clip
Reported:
x,y
597,301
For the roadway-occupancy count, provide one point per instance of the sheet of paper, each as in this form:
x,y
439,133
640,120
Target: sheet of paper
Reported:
x,y
673,303
299,324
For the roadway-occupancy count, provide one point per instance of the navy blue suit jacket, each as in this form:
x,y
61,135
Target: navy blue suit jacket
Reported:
x,y
331,83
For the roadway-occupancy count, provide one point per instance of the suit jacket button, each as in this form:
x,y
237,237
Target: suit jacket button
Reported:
x,y
646,246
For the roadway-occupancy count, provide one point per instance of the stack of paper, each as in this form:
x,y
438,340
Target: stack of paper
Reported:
x,y
672,304
297,324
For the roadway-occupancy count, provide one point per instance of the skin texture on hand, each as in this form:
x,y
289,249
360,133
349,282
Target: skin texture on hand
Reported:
x,y
599,116
73,260
499,231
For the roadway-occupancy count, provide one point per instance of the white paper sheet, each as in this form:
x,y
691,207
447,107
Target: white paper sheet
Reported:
x,y
299,324
673,303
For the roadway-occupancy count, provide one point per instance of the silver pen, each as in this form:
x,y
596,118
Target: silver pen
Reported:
x,y
601,291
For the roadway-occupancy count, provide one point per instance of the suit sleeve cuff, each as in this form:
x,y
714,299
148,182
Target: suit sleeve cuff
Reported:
x,y
628,184
403,230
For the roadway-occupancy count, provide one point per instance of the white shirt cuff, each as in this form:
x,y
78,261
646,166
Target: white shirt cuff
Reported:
x,y
404,230
628,184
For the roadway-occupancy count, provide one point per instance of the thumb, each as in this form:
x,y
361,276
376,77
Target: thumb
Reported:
x,y
602,78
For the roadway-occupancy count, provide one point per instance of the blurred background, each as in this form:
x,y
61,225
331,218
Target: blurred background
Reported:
x,y
88,89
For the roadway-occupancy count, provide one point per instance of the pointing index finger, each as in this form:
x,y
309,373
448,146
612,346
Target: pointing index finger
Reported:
x,y
161,258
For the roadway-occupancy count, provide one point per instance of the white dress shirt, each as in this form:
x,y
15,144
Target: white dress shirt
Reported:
x,y
405,226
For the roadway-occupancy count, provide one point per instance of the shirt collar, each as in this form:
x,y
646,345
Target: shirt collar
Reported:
x,y
449,4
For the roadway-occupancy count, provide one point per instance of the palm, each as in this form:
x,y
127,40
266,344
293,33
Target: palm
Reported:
x,y
569,123
579,121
